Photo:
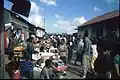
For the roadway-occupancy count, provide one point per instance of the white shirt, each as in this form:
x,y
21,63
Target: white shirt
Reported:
x,y
65,39
70,43
80,45
73,38
52,48
17,36
94,48
36,56
22,35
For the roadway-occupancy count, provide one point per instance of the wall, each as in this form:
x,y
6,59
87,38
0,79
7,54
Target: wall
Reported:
x,y
112,24
31,30
97,29
6,16
102,28
81,31
14,19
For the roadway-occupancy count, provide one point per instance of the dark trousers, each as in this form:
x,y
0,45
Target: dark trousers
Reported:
x,y
63,58
28,75
115,70
79,58
69,55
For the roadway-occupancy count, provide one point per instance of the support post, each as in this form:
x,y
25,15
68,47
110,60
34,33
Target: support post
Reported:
x,y
2,57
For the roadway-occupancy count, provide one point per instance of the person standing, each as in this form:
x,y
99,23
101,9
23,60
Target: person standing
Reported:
x,y
18,33
13,43
47,72
114,52
58,41
94,53
79,50
75,43
70,48
86,54
63,51
54,42
26,68
12,68
65,39
30,48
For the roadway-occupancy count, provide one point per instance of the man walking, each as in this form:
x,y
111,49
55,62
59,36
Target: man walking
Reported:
x,y
30,48
79,50
86,54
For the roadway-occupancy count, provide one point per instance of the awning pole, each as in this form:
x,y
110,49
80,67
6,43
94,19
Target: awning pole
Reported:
x,y
2,59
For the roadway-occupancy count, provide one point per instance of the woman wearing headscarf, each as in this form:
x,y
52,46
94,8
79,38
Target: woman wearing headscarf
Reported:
x,y
63,51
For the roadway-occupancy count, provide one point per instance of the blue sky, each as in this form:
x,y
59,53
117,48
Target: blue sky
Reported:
x,y
66,15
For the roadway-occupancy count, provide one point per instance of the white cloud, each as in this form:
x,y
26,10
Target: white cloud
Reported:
x,y
49,2
35,8
58,16
96,8
36,17
64,23
78,21
69,26
55,25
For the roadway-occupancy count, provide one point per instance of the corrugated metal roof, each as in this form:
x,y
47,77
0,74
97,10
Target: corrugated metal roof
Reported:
x,y
40,28
19,17
106,16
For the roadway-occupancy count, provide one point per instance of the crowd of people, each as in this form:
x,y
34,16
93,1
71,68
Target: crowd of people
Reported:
x,y
97,55
32,46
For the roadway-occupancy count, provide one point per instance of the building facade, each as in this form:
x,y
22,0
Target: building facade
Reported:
x,y
102,25
13,20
